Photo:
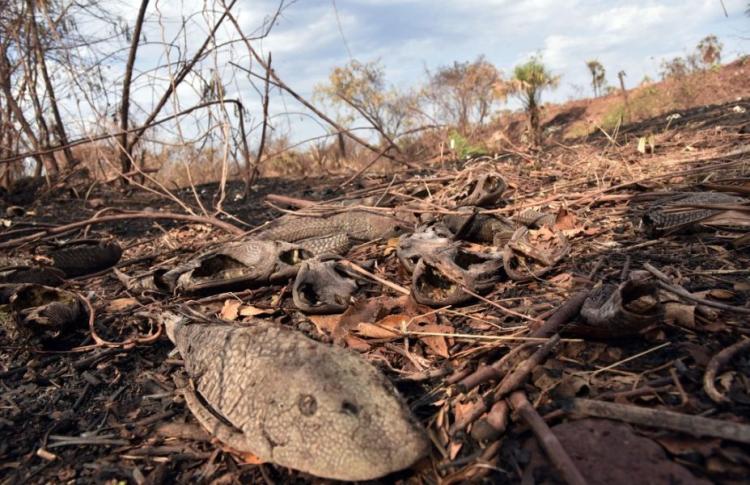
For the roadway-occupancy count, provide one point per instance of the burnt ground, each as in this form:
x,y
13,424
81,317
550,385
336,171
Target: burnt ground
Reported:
x,y
75,411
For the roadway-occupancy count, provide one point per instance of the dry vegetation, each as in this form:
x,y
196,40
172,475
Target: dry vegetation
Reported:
x,y
490,379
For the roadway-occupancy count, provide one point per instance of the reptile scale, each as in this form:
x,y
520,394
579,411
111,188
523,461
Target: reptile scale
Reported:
x,y
295,402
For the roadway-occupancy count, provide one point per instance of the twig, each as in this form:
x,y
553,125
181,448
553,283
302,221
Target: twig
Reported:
x,y
628,359
252,172
494,424
506,311
231,229
487,372
367,166
509,383
656,418
562,315
131,342
282,85
717,362
125,154
181,75
283,199
666,283
106,136
552,446
380,280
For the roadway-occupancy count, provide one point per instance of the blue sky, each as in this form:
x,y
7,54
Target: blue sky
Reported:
x,y
409,36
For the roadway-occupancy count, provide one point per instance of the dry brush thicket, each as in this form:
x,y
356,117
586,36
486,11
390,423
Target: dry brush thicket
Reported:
x,y
141,96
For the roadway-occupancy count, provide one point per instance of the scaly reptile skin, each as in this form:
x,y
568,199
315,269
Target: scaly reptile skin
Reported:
x,y
238,264
533,218
483,228
295,402
357,225
661,217
337,244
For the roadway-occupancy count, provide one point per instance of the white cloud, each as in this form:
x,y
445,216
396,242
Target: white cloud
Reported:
x,y
409,35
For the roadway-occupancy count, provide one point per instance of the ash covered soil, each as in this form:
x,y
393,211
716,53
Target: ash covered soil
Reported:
x,y
75,410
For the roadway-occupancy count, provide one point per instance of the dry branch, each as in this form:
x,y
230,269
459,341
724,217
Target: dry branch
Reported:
x,y
225,226
510,382
552,446
126,149
656,418
666,283
717,362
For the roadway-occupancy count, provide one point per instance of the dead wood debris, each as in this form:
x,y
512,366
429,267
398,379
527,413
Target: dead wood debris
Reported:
x,y
99,403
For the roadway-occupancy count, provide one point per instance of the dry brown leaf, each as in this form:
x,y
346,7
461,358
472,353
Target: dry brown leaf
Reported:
x,y
562,280
544,233
565,220
120,304
230,310
250,459
721,294
326,324
571,233
372,330
391,246
251,311
356,343
714,326
679,314
369,311
398,321
461,410
436,345
453,448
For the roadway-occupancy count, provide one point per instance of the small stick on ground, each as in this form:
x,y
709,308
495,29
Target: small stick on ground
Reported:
x,y
656,418
552,446
487,372
666,283
291,201
509,383
51,231
717,362
380,280
562,315
492,426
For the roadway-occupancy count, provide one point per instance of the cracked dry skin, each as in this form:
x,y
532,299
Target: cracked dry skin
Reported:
x,y
295,402
358,225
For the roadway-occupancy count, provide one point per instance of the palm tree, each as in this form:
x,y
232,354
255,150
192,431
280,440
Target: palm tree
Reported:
x,y
530,79
598,74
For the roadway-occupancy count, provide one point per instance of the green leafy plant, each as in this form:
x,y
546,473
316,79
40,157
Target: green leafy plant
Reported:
x,y
463,148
